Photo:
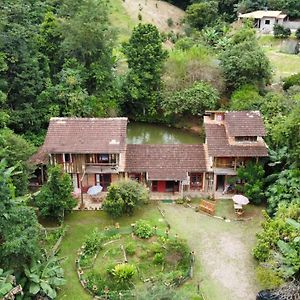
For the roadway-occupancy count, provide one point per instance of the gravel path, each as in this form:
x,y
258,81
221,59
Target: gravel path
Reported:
x,y
226,268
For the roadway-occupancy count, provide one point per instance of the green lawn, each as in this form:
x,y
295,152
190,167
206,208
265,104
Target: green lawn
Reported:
x,y
81,224
283,64
225,268
223,249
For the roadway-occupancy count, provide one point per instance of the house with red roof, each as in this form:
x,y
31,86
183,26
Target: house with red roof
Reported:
x,y
94,152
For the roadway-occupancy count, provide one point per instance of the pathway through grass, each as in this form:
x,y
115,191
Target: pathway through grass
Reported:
x,y
225,268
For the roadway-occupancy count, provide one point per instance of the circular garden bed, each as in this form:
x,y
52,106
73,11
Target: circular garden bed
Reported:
x,y
119,261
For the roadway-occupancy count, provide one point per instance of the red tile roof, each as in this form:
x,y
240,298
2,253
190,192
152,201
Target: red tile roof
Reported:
x,y
86,135
218,145
165,162
39,158
244,123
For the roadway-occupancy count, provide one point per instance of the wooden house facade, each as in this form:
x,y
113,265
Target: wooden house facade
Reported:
x,y
94,152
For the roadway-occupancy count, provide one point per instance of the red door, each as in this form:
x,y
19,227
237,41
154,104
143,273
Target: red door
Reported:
x,y
161,186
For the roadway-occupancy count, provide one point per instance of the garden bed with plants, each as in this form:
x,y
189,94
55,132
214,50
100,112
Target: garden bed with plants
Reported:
x,y
119,261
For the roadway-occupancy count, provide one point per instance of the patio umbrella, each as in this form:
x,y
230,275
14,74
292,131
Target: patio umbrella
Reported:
x,y
95,190
240,199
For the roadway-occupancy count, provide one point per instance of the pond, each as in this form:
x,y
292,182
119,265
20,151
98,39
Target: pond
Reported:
x,y
145,133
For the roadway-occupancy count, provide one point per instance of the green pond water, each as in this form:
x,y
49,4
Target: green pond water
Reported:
x,y
144,133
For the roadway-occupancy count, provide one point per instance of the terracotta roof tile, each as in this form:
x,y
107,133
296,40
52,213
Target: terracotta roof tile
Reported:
x,y
244,123
86,135
40,157
163,162
218,146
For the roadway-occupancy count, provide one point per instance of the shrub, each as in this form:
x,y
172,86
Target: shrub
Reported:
x,y
143,229
291,81
130,248
158,258
123,272
281,32
156,247
93,242
298,33
192,101
170,22
184,44
124,196
268,278
253,176
245,63
247,97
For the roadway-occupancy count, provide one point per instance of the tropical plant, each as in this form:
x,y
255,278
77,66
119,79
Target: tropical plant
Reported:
x,y
19,228
44,278
124,197
7,282
284,189
55,198
252,175
278,243
143,229
123,272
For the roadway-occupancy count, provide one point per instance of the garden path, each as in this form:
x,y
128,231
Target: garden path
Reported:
x,y
225,268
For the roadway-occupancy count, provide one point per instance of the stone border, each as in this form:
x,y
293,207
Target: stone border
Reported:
x,y
80,270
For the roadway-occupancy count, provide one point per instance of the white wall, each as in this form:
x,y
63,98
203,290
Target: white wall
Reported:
x,y
267,28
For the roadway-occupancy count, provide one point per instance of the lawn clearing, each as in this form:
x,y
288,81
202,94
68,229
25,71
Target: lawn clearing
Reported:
x,y
283,64
225,268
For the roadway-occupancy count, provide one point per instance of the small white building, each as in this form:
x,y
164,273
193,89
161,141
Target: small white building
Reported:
x,y
264,20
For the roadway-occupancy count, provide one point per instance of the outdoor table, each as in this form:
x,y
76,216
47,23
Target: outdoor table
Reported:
x,y
238,209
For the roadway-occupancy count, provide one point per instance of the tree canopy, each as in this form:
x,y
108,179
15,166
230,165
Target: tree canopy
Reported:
x,y
55,198
145,57
124,197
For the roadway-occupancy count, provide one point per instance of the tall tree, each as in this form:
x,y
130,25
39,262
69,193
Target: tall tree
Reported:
x,y
88,38
145,57
244,62
19,228
55,198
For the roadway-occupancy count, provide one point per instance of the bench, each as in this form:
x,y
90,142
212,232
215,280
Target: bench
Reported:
x,y
207,207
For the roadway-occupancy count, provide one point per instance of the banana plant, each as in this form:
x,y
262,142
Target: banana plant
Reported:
x,y
7,281
43,279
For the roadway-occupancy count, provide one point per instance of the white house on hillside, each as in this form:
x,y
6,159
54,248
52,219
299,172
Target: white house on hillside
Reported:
x,y
264,20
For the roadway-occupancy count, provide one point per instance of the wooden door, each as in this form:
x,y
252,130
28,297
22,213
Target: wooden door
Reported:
x,y
161,186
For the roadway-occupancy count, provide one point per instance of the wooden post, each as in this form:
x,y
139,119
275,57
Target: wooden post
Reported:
x,y
81,192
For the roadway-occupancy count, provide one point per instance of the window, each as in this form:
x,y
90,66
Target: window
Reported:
x,y
246,139
196,181
267,22
67,157
103,158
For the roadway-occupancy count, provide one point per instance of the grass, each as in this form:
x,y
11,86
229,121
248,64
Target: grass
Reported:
x,y
217,270
81,224
283,64
223,249
121,21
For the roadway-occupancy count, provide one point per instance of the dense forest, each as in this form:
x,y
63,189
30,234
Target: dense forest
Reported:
x,y
58,58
